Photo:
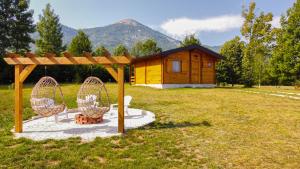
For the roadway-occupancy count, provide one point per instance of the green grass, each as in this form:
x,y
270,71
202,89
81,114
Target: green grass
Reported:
x,y
195,128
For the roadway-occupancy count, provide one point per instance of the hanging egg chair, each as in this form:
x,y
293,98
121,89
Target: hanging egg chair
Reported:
x,y
47,98
92,98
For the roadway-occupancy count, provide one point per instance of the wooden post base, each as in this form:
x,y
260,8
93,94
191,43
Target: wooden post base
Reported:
x,y
82,119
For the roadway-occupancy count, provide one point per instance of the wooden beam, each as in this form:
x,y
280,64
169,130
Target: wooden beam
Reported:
x,y
30,55
18,99
190,67
121,99
12,55
26,72
70,60
112,71
201,69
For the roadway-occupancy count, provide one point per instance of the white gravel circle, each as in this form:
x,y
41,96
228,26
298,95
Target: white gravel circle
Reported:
x,y
42,128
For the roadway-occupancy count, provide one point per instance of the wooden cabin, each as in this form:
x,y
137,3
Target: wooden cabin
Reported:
x,y
191,66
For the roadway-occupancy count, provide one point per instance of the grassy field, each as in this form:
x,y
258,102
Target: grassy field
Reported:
x,y
195,128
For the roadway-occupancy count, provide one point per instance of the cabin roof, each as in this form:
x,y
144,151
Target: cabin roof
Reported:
x,y
180,49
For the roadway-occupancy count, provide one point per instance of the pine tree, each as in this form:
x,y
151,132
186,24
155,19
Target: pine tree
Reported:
x,y
50,31
285,59
229,69
16,24
190,40
22,27
79,44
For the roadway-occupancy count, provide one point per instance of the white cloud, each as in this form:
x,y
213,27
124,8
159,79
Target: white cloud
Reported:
x,y
180,27
276,22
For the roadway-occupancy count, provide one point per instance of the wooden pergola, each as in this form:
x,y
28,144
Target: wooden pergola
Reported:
x,y
25,65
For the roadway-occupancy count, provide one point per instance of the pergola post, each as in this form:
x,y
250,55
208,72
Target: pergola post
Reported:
x,y
18,99
121,99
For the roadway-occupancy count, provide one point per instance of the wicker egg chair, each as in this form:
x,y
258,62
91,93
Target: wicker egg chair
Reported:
x,y
44,99
92,98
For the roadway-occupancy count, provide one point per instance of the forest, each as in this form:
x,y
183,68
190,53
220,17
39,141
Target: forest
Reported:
x,y
262,55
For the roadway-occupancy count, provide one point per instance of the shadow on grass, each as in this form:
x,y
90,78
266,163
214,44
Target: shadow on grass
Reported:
x,y
169,125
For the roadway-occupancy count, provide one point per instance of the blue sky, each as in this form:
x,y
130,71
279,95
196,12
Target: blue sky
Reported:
x,y
213,21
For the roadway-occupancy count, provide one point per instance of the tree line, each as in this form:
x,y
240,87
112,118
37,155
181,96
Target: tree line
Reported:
x,y
262,55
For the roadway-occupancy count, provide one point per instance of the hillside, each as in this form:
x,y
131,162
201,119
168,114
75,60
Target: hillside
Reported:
x,y
126,32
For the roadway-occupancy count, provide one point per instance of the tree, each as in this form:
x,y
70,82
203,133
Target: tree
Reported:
x,y
50,31
16,24
285,59
190,40
263,39
80,43
100,69
148,47
101,51
258,35
246,31
229,69
22,27
120,50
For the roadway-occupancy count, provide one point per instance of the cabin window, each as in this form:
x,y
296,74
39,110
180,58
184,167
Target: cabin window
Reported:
x,y
176,66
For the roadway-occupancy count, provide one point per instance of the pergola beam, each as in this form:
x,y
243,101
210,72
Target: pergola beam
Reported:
x,y
26,72
51,59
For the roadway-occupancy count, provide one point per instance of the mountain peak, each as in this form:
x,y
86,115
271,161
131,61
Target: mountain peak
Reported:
x,y
129,22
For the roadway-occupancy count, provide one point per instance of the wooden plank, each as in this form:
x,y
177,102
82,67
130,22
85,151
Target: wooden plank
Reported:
x,y
130,74
50,60
121,99
214,70
30,55
162,70
12,55
26,72
18,99
112,71
190,67
201,69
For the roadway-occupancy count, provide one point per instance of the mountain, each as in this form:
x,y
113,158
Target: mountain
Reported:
x,y
127,32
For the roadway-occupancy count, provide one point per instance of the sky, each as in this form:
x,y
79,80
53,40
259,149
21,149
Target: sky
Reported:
x,y
213,21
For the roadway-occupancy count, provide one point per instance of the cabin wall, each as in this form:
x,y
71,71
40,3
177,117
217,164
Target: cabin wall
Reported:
x,y
197,68
208,70
176,77
148,72
153,71
140,72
